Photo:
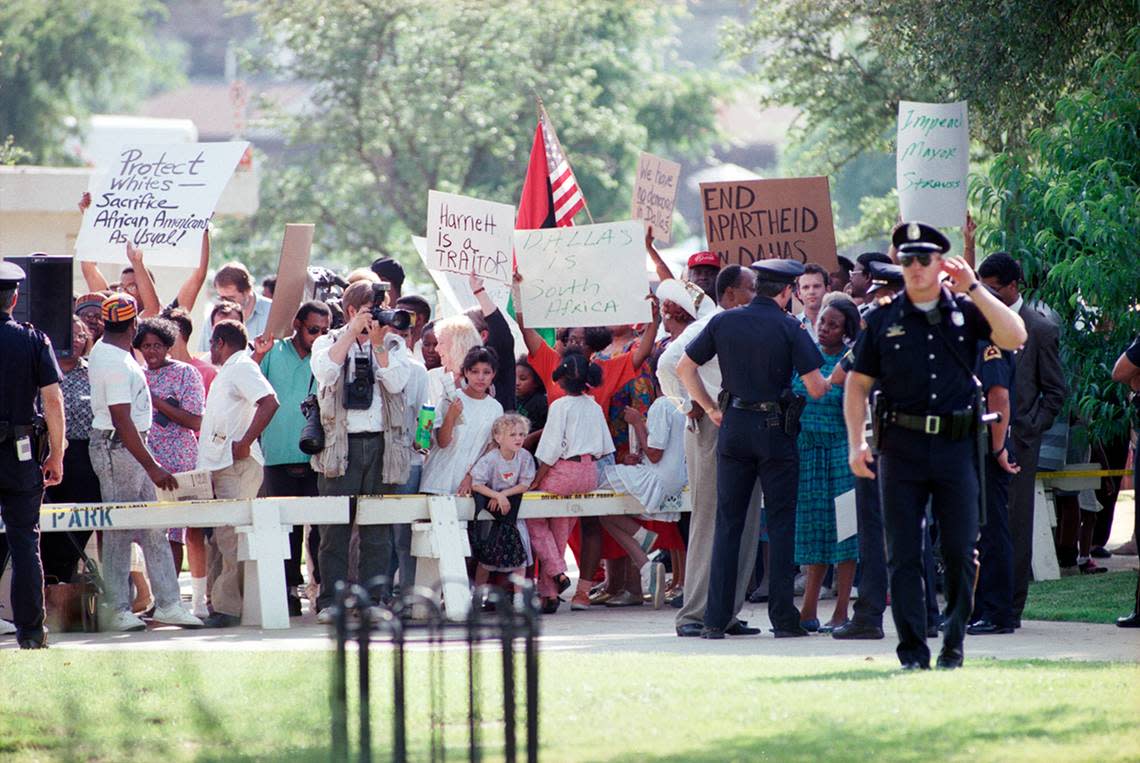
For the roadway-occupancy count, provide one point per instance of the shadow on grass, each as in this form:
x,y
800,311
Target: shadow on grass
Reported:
x,y
892,669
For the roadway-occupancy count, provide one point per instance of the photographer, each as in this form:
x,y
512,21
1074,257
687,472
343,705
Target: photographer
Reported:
x,y
363,409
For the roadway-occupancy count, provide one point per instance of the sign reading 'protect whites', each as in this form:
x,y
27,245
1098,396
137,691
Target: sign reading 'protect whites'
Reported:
x,y
159,198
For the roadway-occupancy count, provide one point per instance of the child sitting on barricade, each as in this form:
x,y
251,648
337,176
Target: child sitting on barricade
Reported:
x,y
498,480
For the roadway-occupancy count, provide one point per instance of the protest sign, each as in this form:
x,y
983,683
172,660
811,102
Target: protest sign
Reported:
x,y
468,235
455,295
788,218
588,275
932,161
159,198
654,194
292,269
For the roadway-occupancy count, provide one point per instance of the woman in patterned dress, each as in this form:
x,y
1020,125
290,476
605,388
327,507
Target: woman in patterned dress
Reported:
x,y
824,474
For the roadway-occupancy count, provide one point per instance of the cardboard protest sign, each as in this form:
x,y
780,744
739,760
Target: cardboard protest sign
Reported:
x,y
159,198
292,269
655,193
469,235
932,162
588,275
788,218
455,295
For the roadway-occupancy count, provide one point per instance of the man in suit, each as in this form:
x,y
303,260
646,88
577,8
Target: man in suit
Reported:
x,y
1039,391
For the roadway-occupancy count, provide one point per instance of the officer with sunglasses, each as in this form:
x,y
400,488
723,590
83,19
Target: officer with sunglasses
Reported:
x,y
920,347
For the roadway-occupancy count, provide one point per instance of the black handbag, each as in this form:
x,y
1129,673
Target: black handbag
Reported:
x,y
497,542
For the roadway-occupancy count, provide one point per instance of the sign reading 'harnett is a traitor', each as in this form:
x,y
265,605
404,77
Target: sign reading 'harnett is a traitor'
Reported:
x,y
587,275
750,220
933,161
159,198
467,235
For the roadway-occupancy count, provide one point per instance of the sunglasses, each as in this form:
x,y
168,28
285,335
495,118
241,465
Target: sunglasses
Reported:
x,y
922,259
315,330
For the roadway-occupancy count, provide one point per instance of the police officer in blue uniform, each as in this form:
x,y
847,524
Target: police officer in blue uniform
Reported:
x,y
921,349
758,346
28,369
993,597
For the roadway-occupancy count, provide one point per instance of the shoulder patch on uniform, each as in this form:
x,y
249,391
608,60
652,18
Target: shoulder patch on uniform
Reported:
x,y
884,301
804,326
992,352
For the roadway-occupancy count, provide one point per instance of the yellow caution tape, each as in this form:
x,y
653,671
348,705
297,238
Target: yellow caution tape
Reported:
x,y
1095,473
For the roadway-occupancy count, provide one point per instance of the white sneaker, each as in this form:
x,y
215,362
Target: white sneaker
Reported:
x,y
6,628
326,616
121,622
176,615
653,582
200,610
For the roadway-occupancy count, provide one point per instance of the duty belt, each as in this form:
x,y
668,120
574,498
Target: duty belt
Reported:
x,y
956,426
15,431
767,406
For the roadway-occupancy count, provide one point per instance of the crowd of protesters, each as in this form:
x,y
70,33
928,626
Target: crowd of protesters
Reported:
x,y
596,408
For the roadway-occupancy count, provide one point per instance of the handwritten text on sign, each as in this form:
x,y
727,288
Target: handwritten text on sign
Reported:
x,y
469,235
655,193
749,220
159,198
589,275
932,162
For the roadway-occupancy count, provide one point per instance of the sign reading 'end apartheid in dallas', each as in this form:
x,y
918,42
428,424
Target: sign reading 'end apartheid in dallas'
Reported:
x,y
468,235
587,275
788,218
159,198
655,193
932,162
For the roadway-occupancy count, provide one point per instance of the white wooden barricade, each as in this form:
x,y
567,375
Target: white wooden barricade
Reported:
x,y
439,530
262,524
1045,566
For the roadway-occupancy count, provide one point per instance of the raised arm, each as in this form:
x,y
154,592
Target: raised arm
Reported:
x,y
531,338
663,271
147,293
1007,330
644,348
190,290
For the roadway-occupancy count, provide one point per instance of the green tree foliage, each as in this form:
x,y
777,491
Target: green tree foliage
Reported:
x,y
410,95
65,58
1070,213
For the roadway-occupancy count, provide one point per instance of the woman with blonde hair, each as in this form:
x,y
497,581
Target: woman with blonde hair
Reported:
x,y
456,336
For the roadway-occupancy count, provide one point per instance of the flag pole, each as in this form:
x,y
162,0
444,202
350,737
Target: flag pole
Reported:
x,y
543,116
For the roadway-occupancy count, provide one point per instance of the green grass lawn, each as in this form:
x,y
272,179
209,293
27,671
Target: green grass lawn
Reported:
x,y
1082,598
227,706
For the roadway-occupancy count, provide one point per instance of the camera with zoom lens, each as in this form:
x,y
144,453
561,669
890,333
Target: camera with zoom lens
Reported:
x,y
312,433
401,320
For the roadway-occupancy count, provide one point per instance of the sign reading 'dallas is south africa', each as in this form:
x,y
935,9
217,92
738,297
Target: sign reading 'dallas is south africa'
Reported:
x,y
468,235
655,193
587,275
786,218
159,198
932,162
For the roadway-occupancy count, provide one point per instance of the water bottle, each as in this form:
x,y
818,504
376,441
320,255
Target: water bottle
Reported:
x,y
424,427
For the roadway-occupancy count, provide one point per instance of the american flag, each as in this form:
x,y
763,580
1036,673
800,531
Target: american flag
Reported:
x,y
564,190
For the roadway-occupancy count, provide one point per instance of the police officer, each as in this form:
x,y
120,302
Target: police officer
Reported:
x,y
921,348
759,346
28,368
993,605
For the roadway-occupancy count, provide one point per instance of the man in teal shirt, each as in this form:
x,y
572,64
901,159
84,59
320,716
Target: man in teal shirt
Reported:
x,y
285,363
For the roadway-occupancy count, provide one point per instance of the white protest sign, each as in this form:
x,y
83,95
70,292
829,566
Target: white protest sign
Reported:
x,y
469,235
932,161
455,295
655,193
159,198
587,275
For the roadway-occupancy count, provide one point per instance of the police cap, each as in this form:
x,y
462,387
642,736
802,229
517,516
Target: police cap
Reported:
x,y
10,275
779,271
918,238
884,274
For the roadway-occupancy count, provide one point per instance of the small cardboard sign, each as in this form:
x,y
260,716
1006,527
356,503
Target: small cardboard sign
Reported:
x,y
787,218
587,275
655,193
932,162
159,198
292,270
468,235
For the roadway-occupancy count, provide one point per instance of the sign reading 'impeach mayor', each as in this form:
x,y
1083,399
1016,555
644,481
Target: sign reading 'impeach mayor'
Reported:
x,y
159,198
932,162
788,218
586,275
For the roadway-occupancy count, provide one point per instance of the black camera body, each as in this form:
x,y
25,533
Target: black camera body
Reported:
x,y
359,384
312,433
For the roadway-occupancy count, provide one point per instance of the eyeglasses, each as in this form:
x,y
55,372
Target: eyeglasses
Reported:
x,y
315,330
923,259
